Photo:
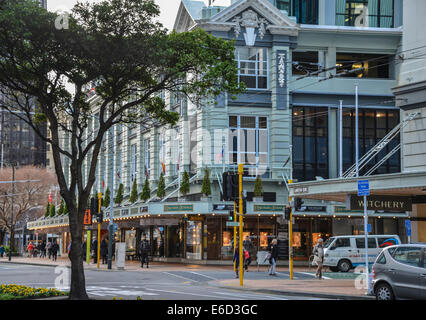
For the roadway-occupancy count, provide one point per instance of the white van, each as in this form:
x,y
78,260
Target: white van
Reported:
x,y
343,253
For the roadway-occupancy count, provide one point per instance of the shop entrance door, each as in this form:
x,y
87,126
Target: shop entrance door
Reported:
x,y
213,239
193,240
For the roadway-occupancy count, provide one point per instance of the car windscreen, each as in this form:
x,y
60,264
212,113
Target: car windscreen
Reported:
x,y
328,242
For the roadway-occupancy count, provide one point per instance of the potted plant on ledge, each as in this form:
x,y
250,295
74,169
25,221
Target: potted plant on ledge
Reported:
x,y
205,188
184,187
258,190
146,191
161,188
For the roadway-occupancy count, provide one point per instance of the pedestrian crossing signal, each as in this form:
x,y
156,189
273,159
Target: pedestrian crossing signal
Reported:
x,y
87,218
231,215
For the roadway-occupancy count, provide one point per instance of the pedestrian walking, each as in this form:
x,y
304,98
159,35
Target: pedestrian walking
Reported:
x,y
236,259
69,250
104,251
43,250
273,250
84,250
54,250
144,249
248,252
318,253
49,249
2,250
95,251
30,249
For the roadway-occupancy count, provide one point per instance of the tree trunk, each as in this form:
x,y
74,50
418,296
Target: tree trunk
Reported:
x,y
78,281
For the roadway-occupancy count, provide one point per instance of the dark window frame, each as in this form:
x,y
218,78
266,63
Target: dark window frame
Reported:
x,y
351,16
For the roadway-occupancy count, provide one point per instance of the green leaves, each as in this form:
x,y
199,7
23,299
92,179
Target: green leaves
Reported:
x,y
184,186
119,197
134,192
206,188
146,191
258,189
161,189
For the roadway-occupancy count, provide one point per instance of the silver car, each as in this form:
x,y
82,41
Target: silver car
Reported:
x,y
399,272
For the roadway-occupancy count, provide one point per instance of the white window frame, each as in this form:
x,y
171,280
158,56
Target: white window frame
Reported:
x,y
256,75
239,141
147,155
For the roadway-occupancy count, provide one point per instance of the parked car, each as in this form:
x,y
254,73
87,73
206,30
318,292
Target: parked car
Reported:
x,y
343,253
399,272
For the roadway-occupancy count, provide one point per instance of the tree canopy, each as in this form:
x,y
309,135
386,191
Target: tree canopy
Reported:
x,y
117,49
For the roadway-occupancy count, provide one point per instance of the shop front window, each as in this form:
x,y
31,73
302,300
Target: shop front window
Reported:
x,y
175,241
193,240
130,239
158,241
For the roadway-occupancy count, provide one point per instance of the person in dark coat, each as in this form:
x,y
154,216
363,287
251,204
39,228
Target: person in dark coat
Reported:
x,y
43,250
144,249
249,248
2,250
273,249
95,250
104,251
236,259
54,250
83,250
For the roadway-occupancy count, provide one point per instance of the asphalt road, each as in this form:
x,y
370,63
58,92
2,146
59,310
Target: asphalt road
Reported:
x,y
147,284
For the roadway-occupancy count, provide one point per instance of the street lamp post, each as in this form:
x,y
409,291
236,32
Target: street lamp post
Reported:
x,y
11,218
111,203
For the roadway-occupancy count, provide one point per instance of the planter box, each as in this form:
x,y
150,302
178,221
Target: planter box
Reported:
x,y
257,199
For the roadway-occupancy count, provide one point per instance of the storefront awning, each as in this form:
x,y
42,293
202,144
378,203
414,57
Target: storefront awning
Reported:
x,y
396,184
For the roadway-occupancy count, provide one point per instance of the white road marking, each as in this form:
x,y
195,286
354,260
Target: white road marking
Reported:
x,y
250,295
187,293
200,274
313,275
181,277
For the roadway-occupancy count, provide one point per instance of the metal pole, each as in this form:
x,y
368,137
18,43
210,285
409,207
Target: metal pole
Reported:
x,y
111,202
341,139
88,241
2,142
366,244
290,223
240,195
235,229
99,228
11,218
356,131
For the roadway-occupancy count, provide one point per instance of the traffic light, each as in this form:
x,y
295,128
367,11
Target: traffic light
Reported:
x,y
231,215
298,203
230,186
287,212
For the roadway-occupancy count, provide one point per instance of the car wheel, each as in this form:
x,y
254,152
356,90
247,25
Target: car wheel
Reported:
x,y
344,265
334,269
384,292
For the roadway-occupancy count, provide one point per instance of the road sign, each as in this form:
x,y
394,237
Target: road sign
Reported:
x,y
369,227
87,218
363,188
408,227
232,224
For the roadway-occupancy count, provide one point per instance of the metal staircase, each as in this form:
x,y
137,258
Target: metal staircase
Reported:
x,y
366,158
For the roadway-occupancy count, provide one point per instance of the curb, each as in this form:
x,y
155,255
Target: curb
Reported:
x,y
34,264
293,293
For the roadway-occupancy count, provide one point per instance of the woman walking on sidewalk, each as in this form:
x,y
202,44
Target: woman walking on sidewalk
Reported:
x,y
273,249
30,249
318,258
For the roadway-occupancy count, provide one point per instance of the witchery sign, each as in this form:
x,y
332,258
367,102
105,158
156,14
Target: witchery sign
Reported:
x,y
385,203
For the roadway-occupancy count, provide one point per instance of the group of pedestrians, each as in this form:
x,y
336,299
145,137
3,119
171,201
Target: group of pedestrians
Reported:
x,y
50,247
103,250
272,257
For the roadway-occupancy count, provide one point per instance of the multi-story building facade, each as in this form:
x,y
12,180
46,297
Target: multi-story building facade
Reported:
x,y
297,60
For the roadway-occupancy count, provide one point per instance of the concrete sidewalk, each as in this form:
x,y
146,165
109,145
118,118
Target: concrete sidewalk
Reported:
x,y
326,288
135,265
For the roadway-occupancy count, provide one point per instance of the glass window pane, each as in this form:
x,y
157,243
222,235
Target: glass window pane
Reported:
x,y
248,140
248,122
263,141
233,121
408,255
263,123
250,82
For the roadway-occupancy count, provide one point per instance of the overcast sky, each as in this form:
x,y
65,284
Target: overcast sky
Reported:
x,y
168,8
